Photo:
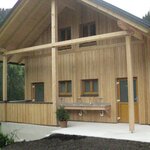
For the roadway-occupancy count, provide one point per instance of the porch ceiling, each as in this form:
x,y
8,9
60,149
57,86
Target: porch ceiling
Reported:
x,y
27,22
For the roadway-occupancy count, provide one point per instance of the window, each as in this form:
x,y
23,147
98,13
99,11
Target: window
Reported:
x,y
38,92
65,88
90,87
87,29
123,88
65,34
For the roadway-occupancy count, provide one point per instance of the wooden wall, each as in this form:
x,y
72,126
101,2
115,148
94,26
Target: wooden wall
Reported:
x,y
2,112
27,113
105,62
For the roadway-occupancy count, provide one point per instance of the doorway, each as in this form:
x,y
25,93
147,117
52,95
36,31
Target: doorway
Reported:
x,y
122,98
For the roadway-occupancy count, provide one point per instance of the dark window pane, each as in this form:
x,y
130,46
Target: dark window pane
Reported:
x,y
69,87
87,86
124,90
85,30
68,34
62,87
95,86
39,92
65,34
135,94
62,35
92,29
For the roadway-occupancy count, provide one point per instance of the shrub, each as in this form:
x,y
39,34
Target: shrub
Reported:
x,y
62,114
6,139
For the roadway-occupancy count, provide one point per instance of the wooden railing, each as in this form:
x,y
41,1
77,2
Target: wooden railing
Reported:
x,y
31,113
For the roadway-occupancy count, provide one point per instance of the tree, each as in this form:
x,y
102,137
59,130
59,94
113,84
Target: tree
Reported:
x,y
15,82
147,16
3,14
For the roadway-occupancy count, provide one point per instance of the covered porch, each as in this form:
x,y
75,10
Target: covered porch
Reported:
x,y
14,112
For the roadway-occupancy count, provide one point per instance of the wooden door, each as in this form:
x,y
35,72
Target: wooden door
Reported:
x,y
122,96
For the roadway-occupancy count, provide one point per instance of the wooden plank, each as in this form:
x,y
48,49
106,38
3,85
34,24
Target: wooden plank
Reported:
x,y
54,38
134,32
69,42
4,78
111,13
130,83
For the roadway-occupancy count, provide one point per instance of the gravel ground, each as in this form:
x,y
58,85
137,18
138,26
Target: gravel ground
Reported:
x,y
71,142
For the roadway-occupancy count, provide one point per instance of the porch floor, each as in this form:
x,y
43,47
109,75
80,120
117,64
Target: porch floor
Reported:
x,y
107,130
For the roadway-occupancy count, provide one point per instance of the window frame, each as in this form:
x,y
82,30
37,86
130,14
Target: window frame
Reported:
x,y
91,92
65,29
66,93
33,94
88,26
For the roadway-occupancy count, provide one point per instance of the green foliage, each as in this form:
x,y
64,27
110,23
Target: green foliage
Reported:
x,y
62,114
147,16
6,139
15,82
3,14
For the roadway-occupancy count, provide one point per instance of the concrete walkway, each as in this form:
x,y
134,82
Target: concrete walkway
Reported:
x,y
106,130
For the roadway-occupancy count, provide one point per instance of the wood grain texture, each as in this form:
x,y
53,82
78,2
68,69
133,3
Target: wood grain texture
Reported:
x,y
27,113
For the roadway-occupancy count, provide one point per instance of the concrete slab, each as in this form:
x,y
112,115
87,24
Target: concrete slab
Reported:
x,y
27,132
107,130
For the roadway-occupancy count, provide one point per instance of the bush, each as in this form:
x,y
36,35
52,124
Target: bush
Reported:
x,y
6,139
62,114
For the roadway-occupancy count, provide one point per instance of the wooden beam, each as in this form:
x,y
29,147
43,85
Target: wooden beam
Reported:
x,y
21,23
111,13
134,32
70,4
130,83
4,78
69,42
54,38
7,23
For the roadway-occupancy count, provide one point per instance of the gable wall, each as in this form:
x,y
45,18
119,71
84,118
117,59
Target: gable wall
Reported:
x,y
105,62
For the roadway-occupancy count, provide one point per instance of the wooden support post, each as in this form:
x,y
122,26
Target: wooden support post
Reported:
x,y
4,78
130,84
54,37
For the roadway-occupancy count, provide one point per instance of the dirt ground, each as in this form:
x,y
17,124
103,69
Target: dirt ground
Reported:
x,y
71,142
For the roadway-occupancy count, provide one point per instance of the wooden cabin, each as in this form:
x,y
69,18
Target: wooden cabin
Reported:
x,y
87,55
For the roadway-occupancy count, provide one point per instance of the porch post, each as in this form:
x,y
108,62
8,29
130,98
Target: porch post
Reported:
x,y
54,37
4,78
130,83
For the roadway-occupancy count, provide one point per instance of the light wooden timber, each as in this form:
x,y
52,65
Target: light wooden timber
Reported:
x,y
134,32
130,84
54,38
4,78
111,13
74,41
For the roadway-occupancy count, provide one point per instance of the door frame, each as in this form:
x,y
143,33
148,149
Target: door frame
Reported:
x,y
118,97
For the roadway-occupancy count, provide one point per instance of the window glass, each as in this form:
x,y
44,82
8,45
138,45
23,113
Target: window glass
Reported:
x,y
38,91
69,88
124,90
88,29
95,86
65,88
65,34
87,86
62,87
90,87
